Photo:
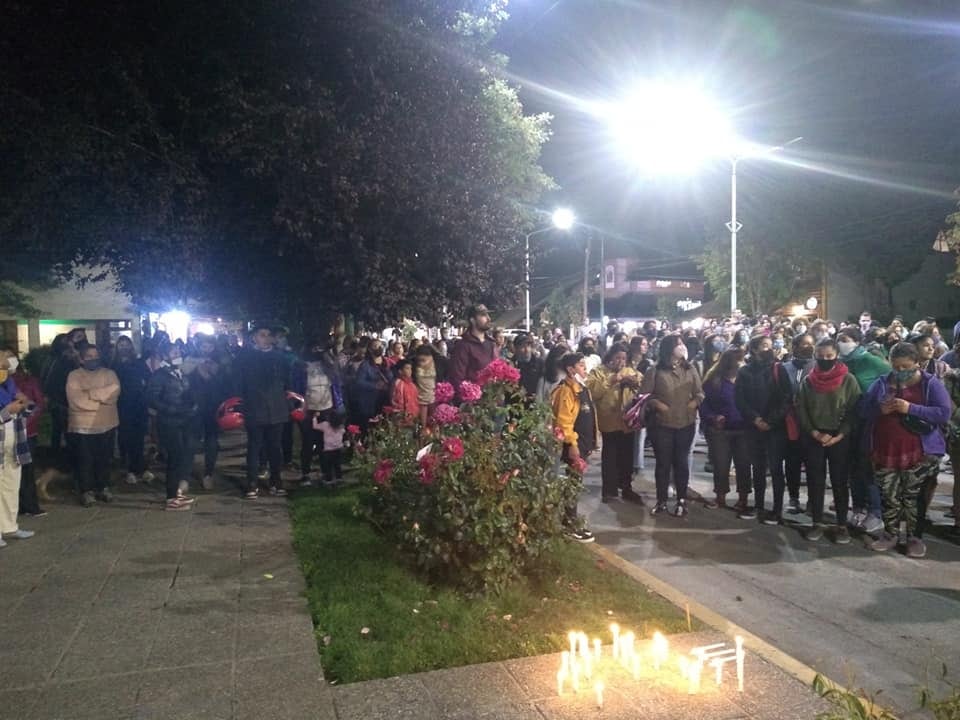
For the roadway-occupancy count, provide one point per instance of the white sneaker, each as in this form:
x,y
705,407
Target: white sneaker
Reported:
x,y
131,479
207,482
147,476
872,524
21,534
184,487
3,543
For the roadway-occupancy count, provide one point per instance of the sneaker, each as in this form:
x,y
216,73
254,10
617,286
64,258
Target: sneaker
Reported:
x,y
305,481
22,534
147,476
740,505
105,495
607,499
632,497
711,504
38,514
815,533
252,494
263,475
132,479
872,524
793,507
3,543
176,504
659,508
277,491
207,482
581,536
681,509
88,499
841,536
770,518
885,542
747,513
856,519
915,548
183,488
186,499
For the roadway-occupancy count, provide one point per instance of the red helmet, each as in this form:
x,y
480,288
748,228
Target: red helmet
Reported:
x,y
298,406
230,414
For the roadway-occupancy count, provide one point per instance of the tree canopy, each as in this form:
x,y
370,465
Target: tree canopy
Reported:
x,y
288,159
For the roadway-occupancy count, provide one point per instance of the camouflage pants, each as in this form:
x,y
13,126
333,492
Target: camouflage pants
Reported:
x,y
901,491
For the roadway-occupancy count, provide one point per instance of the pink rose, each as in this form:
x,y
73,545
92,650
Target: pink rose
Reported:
x,y
558,434
383,472
453,448
579,465
428,465
445,414
353,429
498,371
470,392
443,393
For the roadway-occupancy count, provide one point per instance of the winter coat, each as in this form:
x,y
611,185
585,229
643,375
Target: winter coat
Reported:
x,y
759,395
171,395
263,378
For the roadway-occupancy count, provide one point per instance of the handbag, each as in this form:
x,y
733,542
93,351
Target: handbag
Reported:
x,y
790,419
635,416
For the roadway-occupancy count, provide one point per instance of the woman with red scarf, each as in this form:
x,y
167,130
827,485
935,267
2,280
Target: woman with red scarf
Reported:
x,y
826,406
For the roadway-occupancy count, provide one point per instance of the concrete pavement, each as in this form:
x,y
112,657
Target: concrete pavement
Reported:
x,y
879,622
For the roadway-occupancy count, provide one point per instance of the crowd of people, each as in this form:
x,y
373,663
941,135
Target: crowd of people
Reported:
x,y
870,407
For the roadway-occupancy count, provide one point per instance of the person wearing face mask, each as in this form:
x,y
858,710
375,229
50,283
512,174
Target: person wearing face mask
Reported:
x,y
764,396
588,348
799,327
15,409
92,394
905,411
211,379
800,364
575,417
675,395
724,428
826,409
865,368
171,395
29,386
132,408
613,386
263,379
779,347
713,347
529,365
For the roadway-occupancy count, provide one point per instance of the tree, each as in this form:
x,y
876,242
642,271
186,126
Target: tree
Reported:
x,y
951,236
768,272
298,159
561,309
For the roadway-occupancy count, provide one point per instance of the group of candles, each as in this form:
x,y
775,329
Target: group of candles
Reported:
x,y
578,663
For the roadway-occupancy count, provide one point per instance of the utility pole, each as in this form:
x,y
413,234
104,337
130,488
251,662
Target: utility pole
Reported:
x,y
586,280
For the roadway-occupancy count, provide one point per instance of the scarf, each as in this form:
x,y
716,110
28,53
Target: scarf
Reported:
x,y
830,381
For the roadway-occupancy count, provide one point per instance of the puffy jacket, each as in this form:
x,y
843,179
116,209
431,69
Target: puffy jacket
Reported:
x,y
263,379
759,395
610,399
169,393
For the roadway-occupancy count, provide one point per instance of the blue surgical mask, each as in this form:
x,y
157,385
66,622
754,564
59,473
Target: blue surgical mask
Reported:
x,y
719,345
778,344
904,376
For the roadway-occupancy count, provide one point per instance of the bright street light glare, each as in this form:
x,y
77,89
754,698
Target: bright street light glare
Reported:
x,y
670,128
563,218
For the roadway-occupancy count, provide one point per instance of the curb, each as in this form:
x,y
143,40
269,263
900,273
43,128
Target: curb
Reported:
x,y
789,664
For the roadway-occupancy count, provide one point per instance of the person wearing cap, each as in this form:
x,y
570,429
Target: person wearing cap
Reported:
x,y
528,363
474,351
263,378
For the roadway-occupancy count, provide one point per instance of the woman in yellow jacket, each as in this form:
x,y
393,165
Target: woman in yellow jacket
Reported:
x,y
613,386
575,417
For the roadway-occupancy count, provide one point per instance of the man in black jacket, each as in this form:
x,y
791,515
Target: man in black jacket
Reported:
x,y
763,395
170,395
529,365
263,376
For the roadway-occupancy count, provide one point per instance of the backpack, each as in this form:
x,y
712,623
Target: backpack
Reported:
x,y
635,416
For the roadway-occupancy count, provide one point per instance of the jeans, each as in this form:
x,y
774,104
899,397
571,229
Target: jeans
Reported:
x,y
28,484
268,438
211,444
616,462
722,447
793,463
671,447
767,449
176,441
92,462
130,438
863,486
818,457
286,444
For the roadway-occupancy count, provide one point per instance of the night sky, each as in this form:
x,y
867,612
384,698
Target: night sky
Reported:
x,y
871,86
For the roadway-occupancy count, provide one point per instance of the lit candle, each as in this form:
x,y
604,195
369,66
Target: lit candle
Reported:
x,y
598,687
575,677
572,637
719,666
584,645
636,667
596,647
696,668
626,646
565,661
660,649
740,659
561,678
615,630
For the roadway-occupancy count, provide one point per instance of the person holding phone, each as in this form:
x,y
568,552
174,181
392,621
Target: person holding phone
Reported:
x,y
15,407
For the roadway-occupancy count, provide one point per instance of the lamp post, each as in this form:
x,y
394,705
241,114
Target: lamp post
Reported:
x,y
561,219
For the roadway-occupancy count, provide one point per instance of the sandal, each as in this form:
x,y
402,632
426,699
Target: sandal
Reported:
x,y
252,494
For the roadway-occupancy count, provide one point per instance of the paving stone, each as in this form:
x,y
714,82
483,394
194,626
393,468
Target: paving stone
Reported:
x,y
466,688
197,693
18,704
291,688
397,698
263,640
86,700
183,638
109,642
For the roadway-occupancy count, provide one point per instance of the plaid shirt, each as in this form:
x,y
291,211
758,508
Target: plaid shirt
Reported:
x,y
20,433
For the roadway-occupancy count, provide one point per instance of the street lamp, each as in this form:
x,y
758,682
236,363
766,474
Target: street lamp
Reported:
x,y
561,219
670,128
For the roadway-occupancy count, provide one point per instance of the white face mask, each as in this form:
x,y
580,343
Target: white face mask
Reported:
x,y
12,364
846,348
582,379
680,352
801,329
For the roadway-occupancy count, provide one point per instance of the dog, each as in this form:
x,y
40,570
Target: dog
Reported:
x,y
52,476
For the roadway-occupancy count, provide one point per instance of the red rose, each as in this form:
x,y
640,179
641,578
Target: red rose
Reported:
x,y
383,471
453,447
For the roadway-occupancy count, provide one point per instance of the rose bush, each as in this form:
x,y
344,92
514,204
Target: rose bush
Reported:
x,y
475,497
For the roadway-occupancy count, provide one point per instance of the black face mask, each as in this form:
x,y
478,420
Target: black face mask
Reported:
x,y
765,356
804,353
826,365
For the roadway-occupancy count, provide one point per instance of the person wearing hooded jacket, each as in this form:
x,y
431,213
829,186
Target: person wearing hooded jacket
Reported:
x,y
865,368
826,408
800,364
904,412
763,396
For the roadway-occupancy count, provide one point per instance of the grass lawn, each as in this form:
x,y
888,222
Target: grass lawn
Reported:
x,y
356,579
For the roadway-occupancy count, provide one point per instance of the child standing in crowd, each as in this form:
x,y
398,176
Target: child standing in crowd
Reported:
x,y
905,411
405,399
425,378
331,458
